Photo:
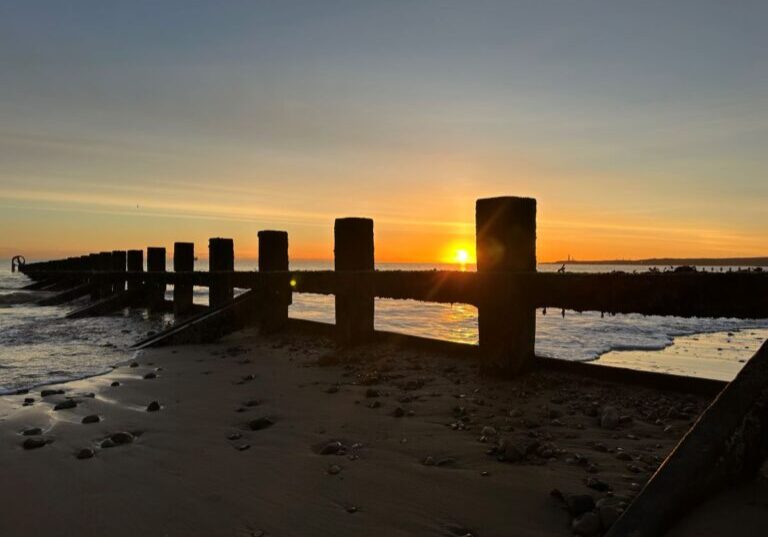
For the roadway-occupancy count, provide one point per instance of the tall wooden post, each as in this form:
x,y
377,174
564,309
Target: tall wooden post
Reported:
x,y
135,264
183,261
93,266
155,290
105,265
506,244
273,257
221,258
353,257
118,265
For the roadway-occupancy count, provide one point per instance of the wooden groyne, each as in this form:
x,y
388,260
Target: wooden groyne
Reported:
x,y
506,289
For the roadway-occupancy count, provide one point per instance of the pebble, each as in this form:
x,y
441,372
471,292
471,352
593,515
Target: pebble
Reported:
x,y
46,393
134,364
69,403
29,400
154,406
85,453
34,443
332,448
115,384
587,525
243,447
334,469
150,375
609,419
121,437
597,484
260,423
91,418
32,431
234,436
578,504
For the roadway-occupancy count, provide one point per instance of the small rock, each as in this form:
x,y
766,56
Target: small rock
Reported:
x,y
69,403
260,423
332,448
428,461
91,418
488,431
609,419
115,384
351,509
150,375
578,504
34,443
154,406
608,515
134,364
243,447
334,469
32,431
234,436
85,453
46,393
121,438
29,400
107,443
587,525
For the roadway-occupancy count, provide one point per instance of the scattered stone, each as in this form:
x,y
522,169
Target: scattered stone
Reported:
x,y
332,448
69,403
334,469
260,423
32,431
121,438
115,384
154,406
488,431
46,393
608,515
234,436
34,443
243,447
597,484
134,364
91,418
586,525
85,453
609,419
150,375
107,443
428,461
29,400
578,504
351,509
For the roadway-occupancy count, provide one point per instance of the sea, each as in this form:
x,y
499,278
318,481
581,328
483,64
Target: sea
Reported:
x,y
39,346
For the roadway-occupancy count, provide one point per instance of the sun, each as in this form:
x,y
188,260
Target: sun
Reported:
x,y
462,256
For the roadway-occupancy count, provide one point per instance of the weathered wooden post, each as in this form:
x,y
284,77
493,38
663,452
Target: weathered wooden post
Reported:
x,y
135,264
155,290
273,257
506,244
221,258
353,255
93,267
105,265
118,265
183,261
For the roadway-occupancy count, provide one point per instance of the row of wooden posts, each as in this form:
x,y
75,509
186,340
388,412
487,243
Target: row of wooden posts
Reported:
x,y
506,287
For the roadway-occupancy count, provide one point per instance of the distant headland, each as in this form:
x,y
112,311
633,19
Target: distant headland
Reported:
x,y
666,261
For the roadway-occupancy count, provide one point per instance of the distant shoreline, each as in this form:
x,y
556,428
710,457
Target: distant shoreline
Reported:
x,y
666,261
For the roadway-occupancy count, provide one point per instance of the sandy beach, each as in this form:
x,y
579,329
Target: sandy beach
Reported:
x,y
286,436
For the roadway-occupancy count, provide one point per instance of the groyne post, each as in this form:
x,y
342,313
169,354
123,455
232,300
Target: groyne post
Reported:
x,y
273,257
135,264
93,267
183,261
221,258
354,299
155,290
506,244
118,265
105,265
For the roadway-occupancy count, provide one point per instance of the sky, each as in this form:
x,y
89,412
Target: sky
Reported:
x,y
640,127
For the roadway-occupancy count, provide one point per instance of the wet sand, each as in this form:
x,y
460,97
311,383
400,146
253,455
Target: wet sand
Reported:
x,y
285,436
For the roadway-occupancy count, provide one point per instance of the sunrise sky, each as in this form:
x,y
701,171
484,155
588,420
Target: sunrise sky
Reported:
x,y
640,126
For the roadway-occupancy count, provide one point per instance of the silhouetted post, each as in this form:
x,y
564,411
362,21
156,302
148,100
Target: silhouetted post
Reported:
x,y
93,266
118,265
221,258
506,244
155,290
273,257
135,264
183,261
105,265
353,252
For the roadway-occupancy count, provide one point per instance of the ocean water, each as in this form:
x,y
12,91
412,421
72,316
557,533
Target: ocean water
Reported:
x,y
39,346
